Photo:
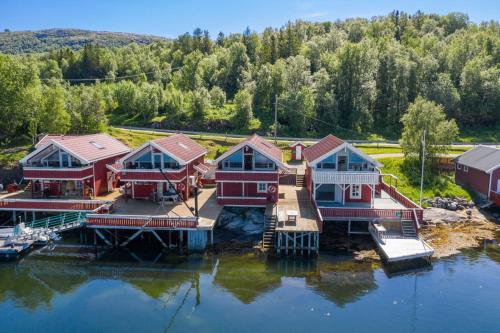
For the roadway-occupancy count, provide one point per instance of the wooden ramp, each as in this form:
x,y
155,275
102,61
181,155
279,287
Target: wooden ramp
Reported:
x,y
395,249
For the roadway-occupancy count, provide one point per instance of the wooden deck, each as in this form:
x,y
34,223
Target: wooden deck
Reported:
x,y
208,208
296,198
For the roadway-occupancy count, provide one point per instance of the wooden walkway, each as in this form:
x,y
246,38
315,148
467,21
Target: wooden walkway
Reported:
x,y
296,198
300,237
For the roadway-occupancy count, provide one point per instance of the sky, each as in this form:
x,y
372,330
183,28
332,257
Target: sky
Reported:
x,y
171,18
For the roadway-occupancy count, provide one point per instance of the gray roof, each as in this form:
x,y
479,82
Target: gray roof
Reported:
x,y
483,158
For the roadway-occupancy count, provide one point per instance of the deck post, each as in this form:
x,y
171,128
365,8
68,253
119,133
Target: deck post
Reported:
x,y
278,248
302,244
309,244
180,238
286,243
14,217
348,227
212,236
25,216
294,243
317,243
116,238
169,238
33,216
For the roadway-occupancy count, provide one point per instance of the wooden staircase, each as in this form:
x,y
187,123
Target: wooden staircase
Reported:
x,y
269,235
29,186
299,180
408,229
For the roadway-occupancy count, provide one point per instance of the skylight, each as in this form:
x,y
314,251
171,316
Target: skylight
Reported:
x,y
183,145
96,144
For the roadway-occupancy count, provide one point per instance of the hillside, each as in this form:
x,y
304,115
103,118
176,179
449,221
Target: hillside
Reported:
x,y
53,39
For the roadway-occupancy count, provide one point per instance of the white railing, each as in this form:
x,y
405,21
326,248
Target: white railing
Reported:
x,y
345,177
56,168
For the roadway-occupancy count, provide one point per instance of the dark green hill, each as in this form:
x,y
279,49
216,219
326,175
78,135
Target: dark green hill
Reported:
x,y
51,39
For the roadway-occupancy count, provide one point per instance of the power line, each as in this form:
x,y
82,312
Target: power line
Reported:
x,y
112,78
322,121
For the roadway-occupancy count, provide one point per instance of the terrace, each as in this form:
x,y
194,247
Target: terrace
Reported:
x,y
135,213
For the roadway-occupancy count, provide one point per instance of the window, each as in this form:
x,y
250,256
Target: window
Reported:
x,y
157,160
262,162
232,164
96,144
466,168
459,166
355,191
261,187
326,165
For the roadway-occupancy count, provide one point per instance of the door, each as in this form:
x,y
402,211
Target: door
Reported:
x,y
111,178
298,153
342,163
159,189
498,186
248,161
338,194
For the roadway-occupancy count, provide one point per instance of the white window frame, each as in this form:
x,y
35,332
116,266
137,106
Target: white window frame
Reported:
x,y
459,166
355,194
259,190
466,168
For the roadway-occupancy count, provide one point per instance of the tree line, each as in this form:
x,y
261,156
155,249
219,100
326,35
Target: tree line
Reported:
x,y
352,78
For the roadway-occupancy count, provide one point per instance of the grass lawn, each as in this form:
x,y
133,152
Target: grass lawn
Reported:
x,y
9,157
444,187
480,134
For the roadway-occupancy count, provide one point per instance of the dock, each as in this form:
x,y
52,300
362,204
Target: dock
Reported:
x,y
301,234
175,220
394,248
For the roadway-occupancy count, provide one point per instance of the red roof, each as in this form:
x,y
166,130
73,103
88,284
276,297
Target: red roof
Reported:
x,y
181,147
43,141
322,147
261,145
265,147
88,148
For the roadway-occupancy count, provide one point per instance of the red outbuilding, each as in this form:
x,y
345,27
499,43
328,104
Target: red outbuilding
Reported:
x,y
248,174
72,165
297,148
479,170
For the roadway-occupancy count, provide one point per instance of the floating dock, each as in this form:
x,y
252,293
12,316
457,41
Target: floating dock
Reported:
x,y
394,248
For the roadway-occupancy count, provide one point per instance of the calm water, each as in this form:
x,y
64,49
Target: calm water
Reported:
x,y
67,291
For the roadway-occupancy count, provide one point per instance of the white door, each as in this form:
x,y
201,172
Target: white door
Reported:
x,y
110,178
159,189
498,186
298,153
338,194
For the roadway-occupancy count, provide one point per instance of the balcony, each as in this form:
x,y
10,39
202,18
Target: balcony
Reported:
x,y
240,176
56,173
345,177
151,174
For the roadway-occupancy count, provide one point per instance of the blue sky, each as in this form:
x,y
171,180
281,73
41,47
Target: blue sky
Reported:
x,y
170,18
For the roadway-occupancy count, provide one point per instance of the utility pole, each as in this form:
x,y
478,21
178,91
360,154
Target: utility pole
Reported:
x,y
275,117
422,174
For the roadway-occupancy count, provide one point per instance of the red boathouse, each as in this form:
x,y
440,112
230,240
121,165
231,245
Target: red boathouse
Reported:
x,y
154,168
248,174
479,170
72,166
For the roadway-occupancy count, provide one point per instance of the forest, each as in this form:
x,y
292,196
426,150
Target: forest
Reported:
x,y
355,78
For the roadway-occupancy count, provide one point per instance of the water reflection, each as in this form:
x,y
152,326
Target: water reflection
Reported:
x,y
37,279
